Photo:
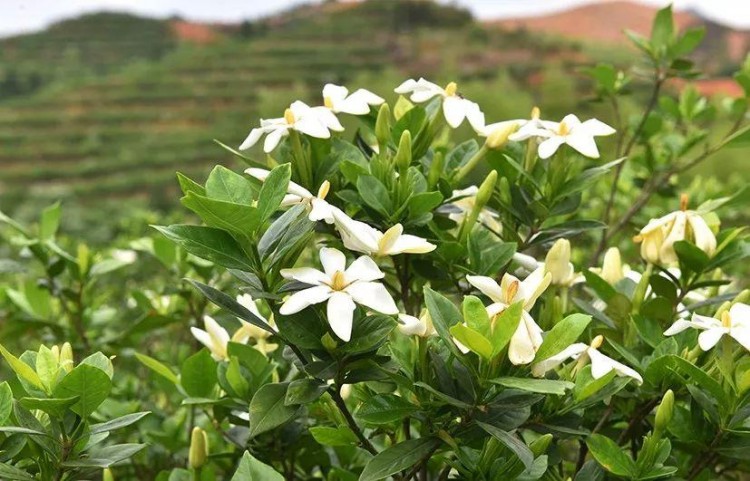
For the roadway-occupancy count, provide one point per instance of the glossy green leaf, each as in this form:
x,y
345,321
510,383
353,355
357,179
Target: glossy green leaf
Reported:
x,y
90,384
250,469
398,457
562,335
209,243
198,374
611,456
543,386
267,408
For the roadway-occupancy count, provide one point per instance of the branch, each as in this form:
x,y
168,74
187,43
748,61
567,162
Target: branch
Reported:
x,y
366,444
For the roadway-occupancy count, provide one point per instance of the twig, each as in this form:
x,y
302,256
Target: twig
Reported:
x,y
366,444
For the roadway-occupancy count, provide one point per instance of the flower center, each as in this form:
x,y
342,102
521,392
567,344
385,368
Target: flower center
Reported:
x,y
323,190
683,202
563,129
289,116
597,342
328,102
726,320
510,294
450,89
338,281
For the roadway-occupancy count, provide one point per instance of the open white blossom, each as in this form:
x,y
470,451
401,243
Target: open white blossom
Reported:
x,y
659,236
341,287
254,332
296,194
313,121
462,203
338,99
601,365
578,135
734,323
215,337
522,127
528,336
360,237
455,107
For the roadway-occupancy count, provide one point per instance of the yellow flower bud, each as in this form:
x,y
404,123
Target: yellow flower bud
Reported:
x,y
499,137
198,454
557,262
403,154
107,475
66,357
612,269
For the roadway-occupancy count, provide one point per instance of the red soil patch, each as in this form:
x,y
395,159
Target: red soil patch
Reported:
x,y
194,32
715,87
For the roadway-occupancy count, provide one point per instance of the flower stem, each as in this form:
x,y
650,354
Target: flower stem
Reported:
x,y
473,161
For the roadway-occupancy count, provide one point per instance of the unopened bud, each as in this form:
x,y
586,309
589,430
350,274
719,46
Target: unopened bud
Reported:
x,y
436,169
403,154
540,445
329,343
485,190
557,261
742,298
107,475
612,271
504,190
499,136
66,357
383,125
664,412
198,454
56,352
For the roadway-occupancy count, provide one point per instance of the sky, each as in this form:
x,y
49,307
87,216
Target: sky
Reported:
x,y
19,16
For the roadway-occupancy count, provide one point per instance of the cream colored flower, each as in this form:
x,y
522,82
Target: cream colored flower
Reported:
x,y
254,332
215,337
558,264
341,287
296,194
570,130
455,107
416,326
360,237
734,323
601,365
338,99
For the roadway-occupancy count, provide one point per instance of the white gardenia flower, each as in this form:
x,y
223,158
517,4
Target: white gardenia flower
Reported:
x,y
416,326
735,323
601,365
313,121
528,336
215,337
342,287
360,237
455,107
338,99
296,194
522,127
462,203
659,235
578,135
254,332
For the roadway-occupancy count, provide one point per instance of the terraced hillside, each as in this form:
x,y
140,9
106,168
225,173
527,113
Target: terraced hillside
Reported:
x,y
123,135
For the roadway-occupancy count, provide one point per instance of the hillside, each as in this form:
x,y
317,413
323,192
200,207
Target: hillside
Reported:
x,y
603,23
124,134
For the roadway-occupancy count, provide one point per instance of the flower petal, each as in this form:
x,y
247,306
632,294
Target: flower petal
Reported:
x,y
312,126
601,365
487,286
304,298
548,148
321,210
708,338
585,144
411,326
247,301
742,335
205,338
333,260
372,295
340,310
525,341
363,269
704,236
410,244
273,139
572,351
454,110
356,235
307,275
678,327
596,128
335,92
252,138
740,314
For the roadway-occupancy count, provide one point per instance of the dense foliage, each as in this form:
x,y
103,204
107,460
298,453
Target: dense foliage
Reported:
x,y
351,307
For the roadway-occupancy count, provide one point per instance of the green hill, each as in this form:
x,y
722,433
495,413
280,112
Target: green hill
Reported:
x,y
124,134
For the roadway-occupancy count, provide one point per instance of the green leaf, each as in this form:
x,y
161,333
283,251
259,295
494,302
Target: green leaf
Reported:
x,y
9,473
564,334
267,408
662,30
304,391
369,333
660,368
47,367
374,193
6,402
118,423
691,256
444,314
273,190
385,408
22,369
689,41
473,340
250,469
209,243
230,304
228,186
611,456
91,384
54,406
504,325
106,456
423,203
49,222
157,367
237,218
543,386
101,361
398,457
512,442
329,436
475,315
198,374
189,185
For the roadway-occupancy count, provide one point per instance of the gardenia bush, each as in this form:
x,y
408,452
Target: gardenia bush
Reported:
x,y
379,316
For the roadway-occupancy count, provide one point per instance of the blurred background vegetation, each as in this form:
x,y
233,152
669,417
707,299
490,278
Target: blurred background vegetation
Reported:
x,y
100,111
